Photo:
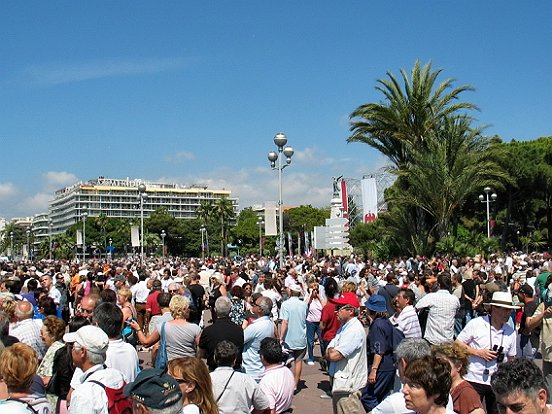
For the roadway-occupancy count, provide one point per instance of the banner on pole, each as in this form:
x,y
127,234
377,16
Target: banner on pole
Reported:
x,y
135,236
369,200
270,219
79,237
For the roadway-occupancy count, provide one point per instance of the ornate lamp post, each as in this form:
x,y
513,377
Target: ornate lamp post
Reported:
x,y
280,140
485,199
163,234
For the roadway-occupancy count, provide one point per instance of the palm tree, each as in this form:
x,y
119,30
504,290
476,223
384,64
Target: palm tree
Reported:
x,y
224,210
406,117
442,175
205,211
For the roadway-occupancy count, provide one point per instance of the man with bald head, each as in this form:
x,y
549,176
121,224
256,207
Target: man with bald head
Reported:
x,y
87,305
27,329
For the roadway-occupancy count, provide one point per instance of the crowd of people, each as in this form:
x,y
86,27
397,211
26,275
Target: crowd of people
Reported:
x,y
436,335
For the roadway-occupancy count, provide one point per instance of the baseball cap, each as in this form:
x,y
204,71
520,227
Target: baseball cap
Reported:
x,y
154,388
119,278
90,337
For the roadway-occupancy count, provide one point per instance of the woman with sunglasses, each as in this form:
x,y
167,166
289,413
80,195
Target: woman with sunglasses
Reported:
x,y
195,383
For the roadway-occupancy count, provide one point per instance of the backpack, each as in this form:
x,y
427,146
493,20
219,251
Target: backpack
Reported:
x,y
117,402
28,406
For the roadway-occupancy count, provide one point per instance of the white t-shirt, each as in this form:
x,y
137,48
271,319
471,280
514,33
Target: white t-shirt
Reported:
x,y
480,334
123,357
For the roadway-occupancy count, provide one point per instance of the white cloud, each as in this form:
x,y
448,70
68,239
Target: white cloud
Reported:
x,y
37,203
7,190
55,180
60,73
180,157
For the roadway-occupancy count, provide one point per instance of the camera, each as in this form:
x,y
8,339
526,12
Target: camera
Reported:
x,y
500,352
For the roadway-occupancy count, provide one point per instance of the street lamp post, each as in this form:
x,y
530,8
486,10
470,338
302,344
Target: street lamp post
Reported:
x,y
280,140
163,234
84,215
11,246
260,223
143,195
485,199
29,256
50,239
203,237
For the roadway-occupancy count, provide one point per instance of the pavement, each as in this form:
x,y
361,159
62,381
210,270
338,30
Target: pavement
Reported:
x,y
314,383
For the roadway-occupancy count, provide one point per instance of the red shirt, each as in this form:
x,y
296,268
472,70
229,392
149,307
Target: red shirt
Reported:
x,y
151,304
329,317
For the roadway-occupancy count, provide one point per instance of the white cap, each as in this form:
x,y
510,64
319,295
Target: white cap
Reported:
x,y
90,337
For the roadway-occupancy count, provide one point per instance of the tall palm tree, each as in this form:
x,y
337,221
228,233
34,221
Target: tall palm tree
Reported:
x,y
408,114
452,165
205,211
224,210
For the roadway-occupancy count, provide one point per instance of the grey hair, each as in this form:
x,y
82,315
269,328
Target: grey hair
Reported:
x,y
266,305
223,306
94,358
176,408
412,348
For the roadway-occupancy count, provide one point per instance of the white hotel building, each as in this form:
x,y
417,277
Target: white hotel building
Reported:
x,y
120,198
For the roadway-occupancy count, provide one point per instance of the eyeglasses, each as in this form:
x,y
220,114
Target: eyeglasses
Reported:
x,y
173,290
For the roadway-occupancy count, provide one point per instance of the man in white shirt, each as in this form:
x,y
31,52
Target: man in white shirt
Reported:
x,y
88,352
27,329
120,355
234,391
489,340
406,317
442,310
347,354
48,284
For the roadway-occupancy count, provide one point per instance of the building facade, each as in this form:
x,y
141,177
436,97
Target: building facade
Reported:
x,y
121,198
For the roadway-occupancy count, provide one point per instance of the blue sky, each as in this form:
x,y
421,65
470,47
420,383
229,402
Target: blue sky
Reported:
x,y
194,92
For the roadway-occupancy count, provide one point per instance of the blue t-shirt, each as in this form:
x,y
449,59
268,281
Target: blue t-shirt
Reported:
x,y
294,310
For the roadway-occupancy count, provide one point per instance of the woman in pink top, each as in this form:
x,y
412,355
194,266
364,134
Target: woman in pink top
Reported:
x,y
315,304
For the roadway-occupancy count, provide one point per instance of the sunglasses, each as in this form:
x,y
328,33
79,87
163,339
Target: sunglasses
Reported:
x,y
173,290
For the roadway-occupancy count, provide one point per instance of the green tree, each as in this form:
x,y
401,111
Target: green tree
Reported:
x,y
246,230
224,211
408,114
442,175
206,211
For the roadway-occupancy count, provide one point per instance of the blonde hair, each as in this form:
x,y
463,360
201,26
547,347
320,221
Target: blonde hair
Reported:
x,y
349,287
125,293
455,352
55,327
179,306
192,369
18,365
8,306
